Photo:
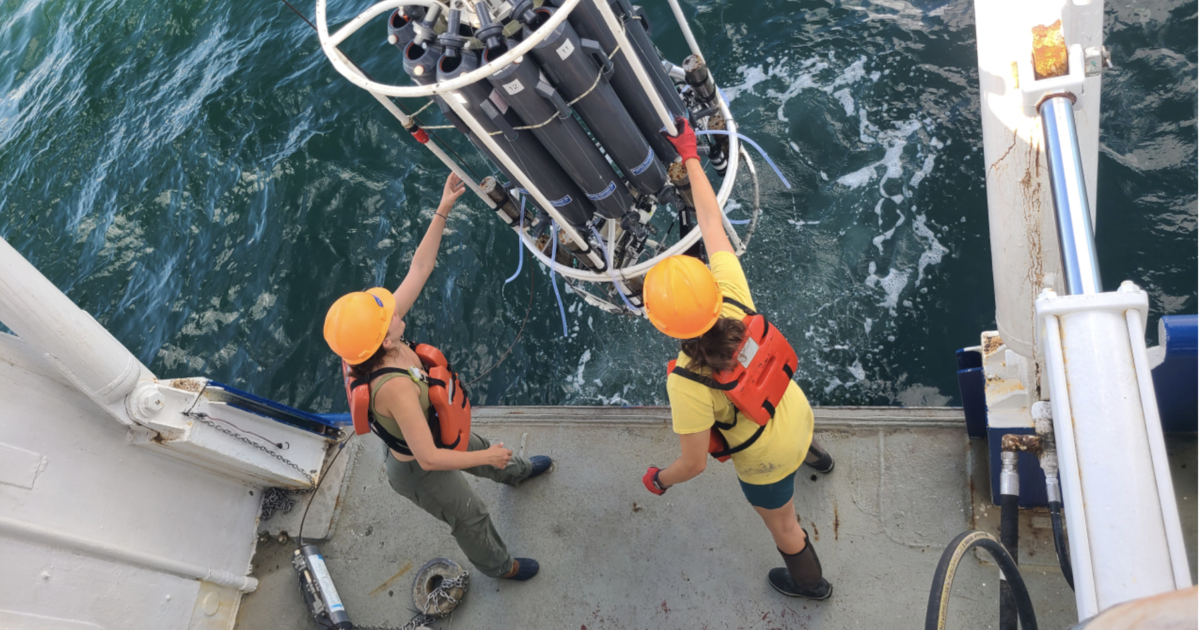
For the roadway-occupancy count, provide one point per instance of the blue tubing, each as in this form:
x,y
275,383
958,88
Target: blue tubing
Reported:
x,y
520,244
557,296
722,132
612,272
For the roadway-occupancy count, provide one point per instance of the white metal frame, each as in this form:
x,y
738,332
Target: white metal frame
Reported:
x,y
381,91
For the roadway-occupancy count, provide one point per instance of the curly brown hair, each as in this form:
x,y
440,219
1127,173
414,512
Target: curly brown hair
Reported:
x,y
715,349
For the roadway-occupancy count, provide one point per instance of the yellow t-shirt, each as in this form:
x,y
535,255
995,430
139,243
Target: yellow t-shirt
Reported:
x,y
785,440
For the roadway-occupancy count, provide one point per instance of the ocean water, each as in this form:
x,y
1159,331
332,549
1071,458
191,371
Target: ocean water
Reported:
x,y
200,179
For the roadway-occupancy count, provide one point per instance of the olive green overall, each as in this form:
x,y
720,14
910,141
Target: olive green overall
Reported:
x,y
446,494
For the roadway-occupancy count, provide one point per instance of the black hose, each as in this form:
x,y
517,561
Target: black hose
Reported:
x,y
943,579
1060,542
1009,511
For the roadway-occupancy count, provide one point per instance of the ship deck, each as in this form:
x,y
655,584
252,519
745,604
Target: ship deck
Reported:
x,y
616,557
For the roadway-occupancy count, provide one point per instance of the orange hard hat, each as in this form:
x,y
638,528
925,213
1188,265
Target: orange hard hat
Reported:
x,y
357,323
681,297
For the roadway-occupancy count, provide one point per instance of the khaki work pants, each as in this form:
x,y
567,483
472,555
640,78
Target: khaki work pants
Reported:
x,y
447,496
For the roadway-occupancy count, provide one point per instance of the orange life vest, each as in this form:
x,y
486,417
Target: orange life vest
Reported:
x,y
450,420
763,367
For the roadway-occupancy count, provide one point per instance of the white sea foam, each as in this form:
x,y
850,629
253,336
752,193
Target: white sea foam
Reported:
x,y
878,240
935,250
576,382
892,284
751,76
801,82
857,371
920,175
894,142
859,178
852,74
901,151
612,401
847,101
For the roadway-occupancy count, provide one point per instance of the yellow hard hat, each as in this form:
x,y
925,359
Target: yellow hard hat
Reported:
x,y
682,298
357,323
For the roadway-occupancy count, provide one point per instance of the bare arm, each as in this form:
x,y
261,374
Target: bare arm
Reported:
x,y
691,462
399,399
708,213
425,257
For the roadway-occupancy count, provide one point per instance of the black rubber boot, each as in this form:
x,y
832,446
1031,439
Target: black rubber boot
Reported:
x,y
818,459
802,577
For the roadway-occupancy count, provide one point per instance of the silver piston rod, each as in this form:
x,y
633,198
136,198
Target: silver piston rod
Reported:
x,y
1072,213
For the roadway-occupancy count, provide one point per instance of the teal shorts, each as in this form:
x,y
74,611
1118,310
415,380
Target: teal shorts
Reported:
x,y
771,496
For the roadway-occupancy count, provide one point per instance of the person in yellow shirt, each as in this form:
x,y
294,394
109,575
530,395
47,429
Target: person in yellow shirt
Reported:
x,y
704,308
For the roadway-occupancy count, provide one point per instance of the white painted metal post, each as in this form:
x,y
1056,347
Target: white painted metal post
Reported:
x,y
1113,464
1158,447
328,45
436,150
68,336
627,49
523,179
683,26
57,539
1069,473
1024,250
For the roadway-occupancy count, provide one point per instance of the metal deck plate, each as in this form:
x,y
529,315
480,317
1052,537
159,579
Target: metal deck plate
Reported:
x,y
615,556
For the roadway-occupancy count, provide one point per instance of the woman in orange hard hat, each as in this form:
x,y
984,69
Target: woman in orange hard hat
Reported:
x,y
366,329
704,307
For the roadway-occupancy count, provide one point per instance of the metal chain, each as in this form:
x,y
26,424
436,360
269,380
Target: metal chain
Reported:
x,y
203,418
420,621
432,602
278,499
442,593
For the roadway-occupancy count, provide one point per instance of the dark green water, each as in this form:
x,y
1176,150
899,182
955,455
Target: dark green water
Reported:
x,y
200,179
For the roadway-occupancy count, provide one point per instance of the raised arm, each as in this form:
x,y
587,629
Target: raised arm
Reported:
x,y
425,257
708,214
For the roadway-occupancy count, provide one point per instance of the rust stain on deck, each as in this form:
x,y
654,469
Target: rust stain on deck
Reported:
x,y
404,569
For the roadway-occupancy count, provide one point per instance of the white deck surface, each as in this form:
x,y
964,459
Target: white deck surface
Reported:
x,y
614,556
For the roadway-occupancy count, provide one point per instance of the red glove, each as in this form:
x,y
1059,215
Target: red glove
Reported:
x,y
685,142
651,481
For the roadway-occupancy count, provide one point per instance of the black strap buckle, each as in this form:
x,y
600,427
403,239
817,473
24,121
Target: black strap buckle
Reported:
x,y
744,445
